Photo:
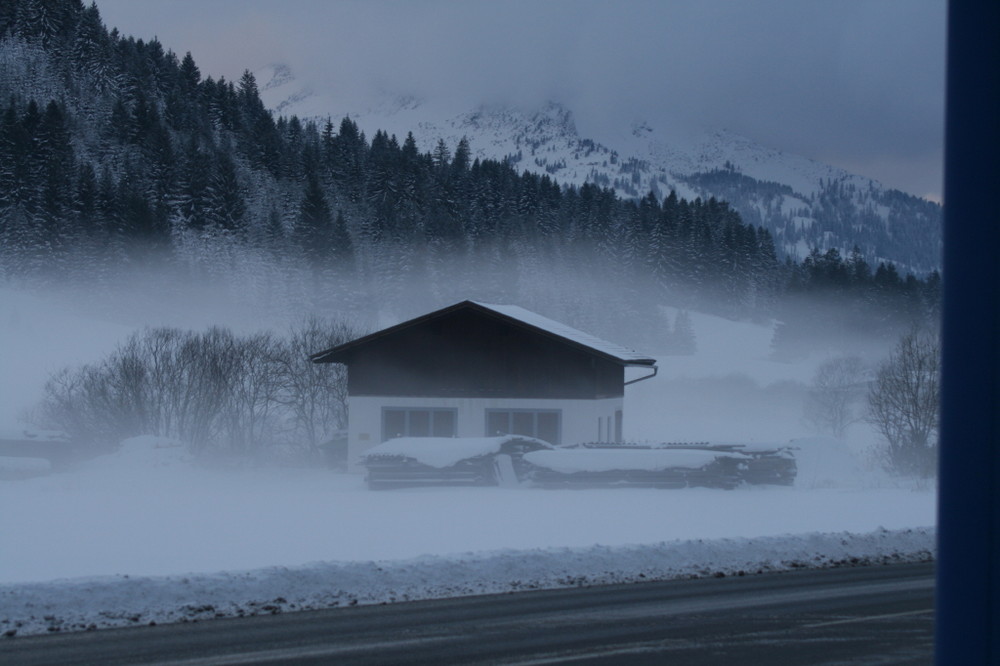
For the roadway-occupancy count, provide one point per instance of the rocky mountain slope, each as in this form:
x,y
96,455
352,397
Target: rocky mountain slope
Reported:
x,y
803,203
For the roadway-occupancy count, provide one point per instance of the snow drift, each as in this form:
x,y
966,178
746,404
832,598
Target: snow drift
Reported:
x,y
123,601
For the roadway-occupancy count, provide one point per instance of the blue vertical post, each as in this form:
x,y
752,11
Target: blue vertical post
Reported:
x,y
968,577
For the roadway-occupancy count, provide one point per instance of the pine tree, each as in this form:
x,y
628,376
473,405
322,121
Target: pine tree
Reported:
x,y
342,248
462,160
14,151
315,226
441,155
85,201
92,51
225,206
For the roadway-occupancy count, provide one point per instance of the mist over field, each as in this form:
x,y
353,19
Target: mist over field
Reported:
x,y
172,252
729,386
152,507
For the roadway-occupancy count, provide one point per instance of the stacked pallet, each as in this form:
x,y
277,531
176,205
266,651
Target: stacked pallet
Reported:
x,y
676,464
449,461
601,467
513,460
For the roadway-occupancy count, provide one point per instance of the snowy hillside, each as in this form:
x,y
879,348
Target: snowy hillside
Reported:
x,y
804,203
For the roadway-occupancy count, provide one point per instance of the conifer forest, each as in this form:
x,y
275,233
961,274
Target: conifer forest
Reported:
x,y
118,156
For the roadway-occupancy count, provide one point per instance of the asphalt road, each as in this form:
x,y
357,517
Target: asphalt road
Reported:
x,y
864,615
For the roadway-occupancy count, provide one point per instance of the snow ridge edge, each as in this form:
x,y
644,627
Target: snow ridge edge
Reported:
x,y
120,601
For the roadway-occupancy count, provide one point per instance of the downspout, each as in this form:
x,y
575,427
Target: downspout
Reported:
x,y
649,376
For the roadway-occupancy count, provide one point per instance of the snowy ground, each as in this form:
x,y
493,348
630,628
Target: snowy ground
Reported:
x,y
136,537
91,603
147,535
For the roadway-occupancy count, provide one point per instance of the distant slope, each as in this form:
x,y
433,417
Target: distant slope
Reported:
x,y
803,203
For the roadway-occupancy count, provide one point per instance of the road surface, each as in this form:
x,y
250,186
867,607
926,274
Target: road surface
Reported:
x,y
864,615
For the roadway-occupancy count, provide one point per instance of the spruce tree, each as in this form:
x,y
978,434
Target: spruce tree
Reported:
x,y
342,248
315,226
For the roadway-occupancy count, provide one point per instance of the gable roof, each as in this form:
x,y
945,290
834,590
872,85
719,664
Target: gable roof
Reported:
x,y
511,314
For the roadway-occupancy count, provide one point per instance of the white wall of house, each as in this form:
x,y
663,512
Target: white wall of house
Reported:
x,y
580,420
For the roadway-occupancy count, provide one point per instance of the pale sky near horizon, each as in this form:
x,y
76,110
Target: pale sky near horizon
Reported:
x,y
855,83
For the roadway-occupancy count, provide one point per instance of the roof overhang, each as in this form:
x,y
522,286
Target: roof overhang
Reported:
x,y
509,314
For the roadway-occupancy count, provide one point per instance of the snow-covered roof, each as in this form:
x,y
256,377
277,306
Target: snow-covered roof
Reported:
x,y
560,330
517,316
569,461
444,451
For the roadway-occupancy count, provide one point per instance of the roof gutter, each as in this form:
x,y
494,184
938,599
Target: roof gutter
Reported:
x,y
649,376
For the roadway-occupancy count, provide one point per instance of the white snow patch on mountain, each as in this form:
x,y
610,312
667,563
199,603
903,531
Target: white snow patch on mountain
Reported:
x,y
547,139
643,155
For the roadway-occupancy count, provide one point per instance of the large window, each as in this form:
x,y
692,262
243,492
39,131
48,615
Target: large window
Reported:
x,y
542,424
400,422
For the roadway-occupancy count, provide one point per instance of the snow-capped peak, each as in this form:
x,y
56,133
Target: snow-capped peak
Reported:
x,y
805,204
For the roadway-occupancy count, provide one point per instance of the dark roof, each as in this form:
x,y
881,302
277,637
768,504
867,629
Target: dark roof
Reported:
x,y
511,314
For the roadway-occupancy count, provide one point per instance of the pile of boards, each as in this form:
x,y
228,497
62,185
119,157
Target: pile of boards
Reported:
x,y
662,466
449,461
524,461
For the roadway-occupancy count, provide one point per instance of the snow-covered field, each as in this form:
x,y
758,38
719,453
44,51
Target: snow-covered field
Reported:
x,y
148,535
145,535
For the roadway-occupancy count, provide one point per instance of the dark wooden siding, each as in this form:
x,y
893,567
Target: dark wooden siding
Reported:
x,y
467,354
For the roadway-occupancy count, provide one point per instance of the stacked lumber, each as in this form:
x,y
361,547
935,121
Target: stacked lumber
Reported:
x,y
432,461
668,465
513,460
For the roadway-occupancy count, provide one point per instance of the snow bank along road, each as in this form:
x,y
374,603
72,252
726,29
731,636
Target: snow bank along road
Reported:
x,y
121,601
858,615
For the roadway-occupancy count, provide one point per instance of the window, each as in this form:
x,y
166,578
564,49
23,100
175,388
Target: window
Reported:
x,y
399,422
541,424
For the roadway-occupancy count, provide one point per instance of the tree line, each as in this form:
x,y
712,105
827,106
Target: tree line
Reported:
x,y
219,392
899,397
115,149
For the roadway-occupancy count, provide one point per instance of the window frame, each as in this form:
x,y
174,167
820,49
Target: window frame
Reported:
x,y
510,411
407,419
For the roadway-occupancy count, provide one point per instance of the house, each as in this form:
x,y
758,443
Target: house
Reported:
x,y
480,370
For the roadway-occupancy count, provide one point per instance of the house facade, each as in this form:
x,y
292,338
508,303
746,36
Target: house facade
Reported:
x,y
481,370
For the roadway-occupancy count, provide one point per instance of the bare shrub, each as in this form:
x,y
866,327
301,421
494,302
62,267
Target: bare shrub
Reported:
x,y
903,404
836,397
78,401
250,369
215,390
315,395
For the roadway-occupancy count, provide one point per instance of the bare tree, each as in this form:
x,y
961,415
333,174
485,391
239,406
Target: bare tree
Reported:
x,y
315,394
835,399
903,404
213,390
78,401
250,414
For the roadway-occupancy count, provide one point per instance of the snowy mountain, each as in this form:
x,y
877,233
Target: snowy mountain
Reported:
x,y
805,204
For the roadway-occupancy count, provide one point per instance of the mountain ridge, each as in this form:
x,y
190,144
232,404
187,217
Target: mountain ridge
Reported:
x,y
804,203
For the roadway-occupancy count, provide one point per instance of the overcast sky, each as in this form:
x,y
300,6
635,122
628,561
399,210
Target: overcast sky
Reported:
x,y
855,83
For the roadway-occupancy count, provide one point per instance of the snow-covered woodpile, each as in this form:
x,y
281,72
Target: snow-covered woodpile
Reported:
x,y
602,467
513,460
449,461
662,465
